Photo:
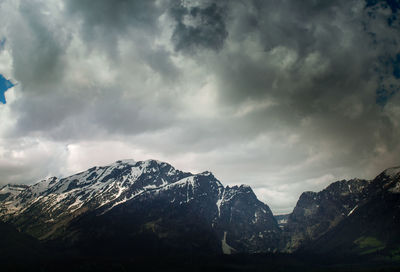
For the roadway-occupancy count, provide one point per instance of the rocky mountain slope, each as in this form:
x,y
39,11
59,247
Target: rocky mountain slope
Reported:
x,y
149,207
373,227
317,213
148,201
348,217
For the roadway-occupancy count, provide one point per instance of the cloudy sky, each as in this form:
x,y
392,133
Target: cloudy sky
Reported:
x,y
283,95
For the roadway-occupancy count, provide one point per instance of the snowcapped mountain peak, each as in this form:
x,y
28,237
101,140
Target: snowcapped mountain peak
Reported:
x,y
100,186
388,180
143,190
244,187
392,179
126,161
43,185
206,173
392,172
240,189
150,163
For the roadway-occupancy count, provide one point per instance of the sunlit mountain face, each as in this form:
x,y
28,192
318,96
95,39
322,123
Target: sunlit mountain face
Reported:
x,y
278,114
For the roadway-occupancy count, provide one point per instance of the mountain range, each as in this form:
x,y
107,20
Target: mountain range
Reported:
x,y
147,208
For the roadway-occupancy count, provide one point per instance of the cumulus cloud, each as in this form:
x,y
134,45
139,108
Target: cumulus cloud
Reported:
x,y
285,96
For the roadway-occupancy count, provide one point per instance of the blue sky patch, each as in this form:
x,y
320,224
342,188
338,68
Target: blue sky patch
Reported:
x,y
390,71
2,43
383,94
396,66
4,86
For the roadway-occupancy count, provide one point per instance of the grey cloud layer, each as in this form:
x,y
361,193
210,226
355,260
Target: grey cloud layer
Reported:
x,y
201,26
287,92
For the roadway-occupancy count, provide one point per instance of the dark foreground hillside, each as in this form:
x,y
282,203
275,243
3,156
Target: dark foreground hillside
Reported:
x,y
242,262
21,252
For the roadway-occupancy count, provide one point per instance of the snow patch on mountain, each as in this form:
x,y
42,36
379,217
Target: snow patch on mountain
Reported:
x,y
395,189
352,210
226,249
392,172
98,186
12,190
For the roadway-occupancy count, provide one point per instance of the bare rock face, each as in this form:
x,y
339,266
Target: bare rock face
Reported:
x,y
348,217
248,224
373,226
317,213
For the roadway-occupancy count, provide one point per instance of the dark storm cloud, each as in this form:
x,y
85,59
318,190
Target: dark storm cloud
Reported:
x,y
330,60
111,17
38,48
104,22
107,23
41,66
322,65
312,59
305,30
389,69
385,13
286,93
38,113
87,116
288,23
339,99
200,26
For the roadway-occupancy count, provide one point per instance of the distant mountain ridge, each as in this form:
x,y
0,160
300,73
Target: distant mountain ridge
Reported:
x,y
372,226
149,207
317,213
